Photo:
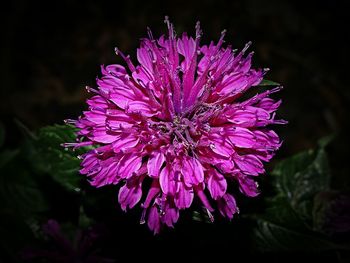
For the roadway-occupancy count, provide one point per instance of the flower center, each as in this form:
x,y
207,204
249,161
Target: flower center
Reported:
x,y
181,131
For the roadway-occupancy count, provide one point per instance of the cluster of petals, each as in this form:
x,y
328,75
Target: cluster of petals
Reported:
x,y
174,129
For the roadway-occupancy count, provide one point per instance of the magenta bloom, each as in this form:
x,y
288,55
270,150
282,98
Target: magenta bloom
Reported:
x,y
177,120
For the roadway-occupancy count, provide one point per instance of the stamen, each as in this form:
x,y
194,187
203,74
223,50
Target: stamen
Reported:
x,y
89,89
150,35
126,59
198,30
221,40
143,216
170,27
210,215
76,145
246,46
70,121
280,122
68,144
265,70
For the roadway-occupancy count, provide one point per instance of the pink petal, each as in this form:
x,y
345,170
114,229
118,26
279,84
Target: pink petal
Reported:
x,y
100,134
233,84
129,196
143,107
200,193
227,206
241,137
192,171
171,216
98,102
247,185
243,118
184,196
217,184
122,97
249,164
96,116
143,56
155,163
129,164
124,142
153,221
167,180
220,145
269,104
186,47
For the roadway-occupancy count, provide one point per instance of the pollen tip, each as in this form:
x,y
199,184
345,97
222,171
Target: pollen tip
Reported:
x,y
143,216
198,30
149,32
237,210
247,46
210,215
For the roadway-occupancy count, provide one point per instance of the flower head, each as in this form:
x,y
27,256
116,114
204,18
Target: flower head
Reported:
x,y
177,120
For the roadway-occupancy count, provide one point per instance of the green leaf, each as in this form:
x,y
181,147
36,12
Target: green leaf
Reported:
x,y
288,223
200,216
270,236
280,211
19,192
266,82
280,228
84,220
323,142
49,157
6,156
300,177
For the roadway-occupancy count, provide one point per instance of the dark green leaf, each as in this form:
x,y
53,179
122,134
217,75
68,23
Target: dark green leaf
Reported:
x,y
270,236
49,157
6,156
288,223
323,142
266,82
280,211
286,171
19,192
301,177
200,216
281,229
84,220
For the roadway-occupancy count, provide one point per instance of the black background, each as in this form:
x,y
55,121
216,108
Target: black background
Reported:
x,y
51,49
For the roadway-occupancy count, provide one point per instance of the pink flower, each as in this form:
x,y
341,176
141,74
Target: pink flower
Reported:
x,y
177,120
